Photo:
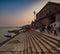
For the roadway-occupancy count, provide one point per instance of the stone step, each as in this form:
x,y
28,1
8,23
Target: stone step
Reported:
x,y
45,45
49,36
35,45
52,44
38,50
31,44
50,39
11,52
25,45
40,45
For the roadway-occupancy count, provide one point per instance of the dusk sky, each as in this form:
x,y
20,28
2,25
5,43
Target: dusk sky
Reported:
x,y
20,12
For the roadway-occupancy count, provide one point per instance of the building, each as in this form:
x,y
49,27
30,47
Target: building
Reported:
x,y
48,14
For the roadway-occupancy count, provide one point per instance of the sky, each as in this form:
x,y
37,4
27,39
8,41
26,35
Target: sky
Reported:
x,y
20,12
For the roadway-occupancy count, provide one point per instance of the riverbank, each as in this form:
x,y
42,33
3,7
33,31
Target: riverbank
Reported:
x,y
17,32
4,31
15,44
7,40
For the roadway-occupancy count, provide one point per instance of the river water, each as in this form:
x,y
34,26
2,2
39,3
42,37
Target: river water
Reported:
x,y
4,31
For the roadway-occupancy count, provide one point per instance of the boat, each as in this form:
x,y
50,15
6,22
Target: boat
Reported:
x,y
7,35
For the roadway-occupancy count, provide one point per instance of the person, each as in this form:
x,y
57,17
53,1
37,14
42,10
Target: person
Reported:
x,y
55,29
41,29
51,30
48,28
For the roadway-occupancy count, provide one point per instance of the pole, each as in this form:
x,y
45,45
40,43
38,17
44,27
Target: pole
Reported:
x,y
34,19
34,15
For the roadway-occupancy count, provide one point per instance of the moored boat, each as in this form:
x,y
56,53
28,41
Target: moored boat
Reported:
x,y
7,35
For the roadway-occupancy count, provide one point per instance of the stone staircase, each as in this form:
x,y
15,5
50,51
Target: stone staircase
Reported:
x,y
38,43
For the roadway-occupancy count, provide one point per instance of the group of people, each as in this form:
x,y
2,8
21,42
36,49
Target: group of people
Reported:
x,y
50,29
